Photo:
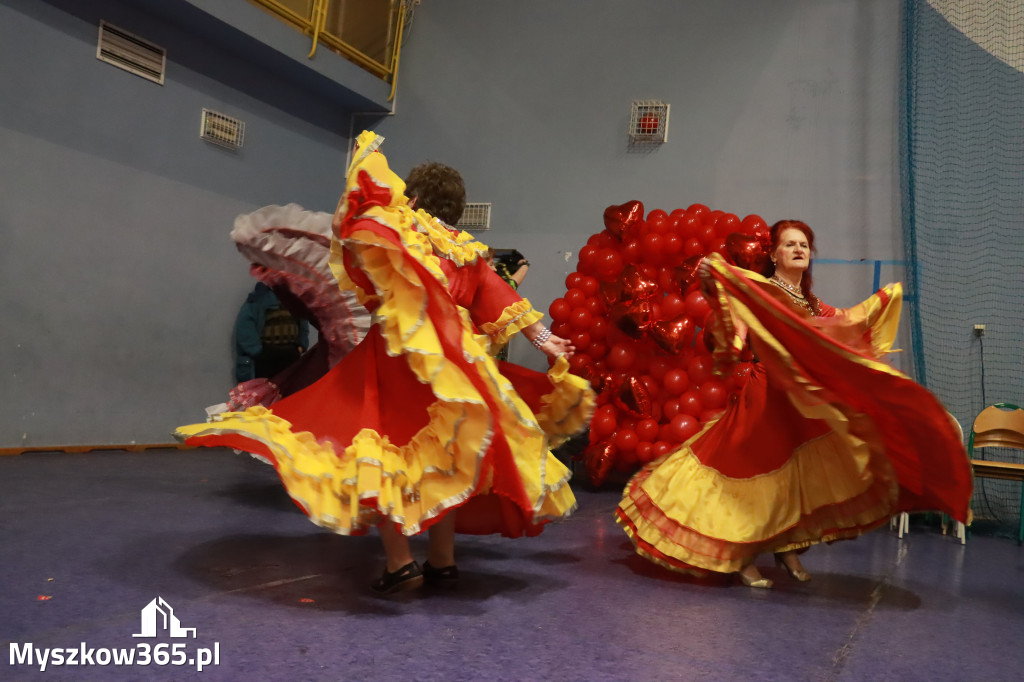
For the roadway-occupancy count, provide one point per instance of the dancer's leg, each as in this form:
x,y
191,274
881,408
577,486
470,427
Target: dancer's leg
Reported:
x,y
396,546
791,562
441,548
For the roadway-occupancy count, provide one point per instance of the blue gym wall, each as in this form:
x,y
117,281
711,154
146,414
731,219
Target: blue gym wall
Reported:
x,y
120,285
119,282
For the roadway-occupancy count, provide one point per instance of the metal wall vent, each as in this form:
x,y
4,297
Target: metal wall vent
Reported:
x,y
131,53
222,130
476,217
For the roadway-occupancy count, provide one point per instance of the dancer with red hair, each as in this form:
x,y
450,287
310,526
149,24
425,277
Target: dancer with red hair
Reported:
x,y
825,442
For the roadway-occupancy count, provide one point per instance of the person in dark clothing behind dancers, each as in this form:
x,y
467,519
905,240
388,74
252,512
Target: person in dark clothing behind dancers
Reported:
x,y
268,338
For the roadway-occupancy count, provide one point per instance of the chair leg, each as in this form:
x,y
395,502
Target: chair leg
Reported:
x,y
961,533
896,524
1020,526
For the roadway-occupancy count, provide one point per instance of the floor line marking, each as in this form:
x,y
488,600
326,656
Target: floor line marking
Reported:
x,y
843,653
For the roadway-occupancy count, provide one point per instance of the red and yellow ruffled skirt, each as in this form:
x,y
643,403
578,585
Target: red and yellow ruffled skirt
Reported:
x,y
370,442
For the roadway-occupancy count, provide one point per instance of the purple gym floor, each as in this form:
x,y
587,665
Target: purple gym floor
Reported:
x,y
88,540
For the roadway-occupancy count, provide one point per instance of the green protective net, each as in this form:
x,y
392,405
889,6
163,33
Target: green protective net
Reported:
x,y
963,218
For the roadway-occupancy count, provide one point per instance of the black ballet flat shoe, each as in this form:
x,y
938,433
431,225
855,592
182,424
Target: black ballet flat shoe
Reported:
x,y
441,577
408,577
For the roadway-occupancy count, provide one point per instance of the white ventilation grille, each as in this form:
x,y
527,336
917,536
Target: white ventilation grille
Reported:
x,y
648,122
222,130
476,217
131,53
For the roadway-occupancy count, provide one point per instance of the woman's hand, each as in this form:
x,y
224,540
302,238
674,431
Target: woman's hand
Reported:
x,y
552,346
707,286
556,346
704,268
520,274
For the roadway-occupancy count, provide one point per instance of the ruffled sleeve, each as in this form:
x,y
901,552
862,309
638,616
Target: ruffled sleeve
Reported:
x,y
497,310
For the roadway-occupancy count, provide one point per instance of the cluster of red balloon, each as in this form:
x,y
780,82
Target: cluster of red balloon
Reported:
x,y
634,310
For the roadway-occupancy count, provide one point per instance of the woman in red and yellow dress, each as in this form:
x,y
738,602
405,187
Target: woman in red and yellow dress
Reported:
x,y
418,420
825,442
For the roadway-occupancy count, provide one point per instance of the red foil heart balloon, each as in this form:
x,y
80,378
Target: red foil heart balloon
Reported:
x,y
686,274
611,385
632,318
611,293
619,219
673,335
637,287
598,459
746,251
599,381
634,398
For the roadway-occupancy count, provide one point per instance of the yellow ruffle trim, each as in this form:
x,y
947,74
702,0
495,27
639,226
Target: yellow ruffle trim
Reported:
x,y
568,408
513,319
352,489
460,247
330,485
422,235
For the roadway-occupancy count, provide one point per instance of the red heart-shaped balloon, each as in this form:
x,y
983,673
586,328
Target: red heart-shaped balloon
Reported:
x,y
634,398
619,219
611,293
637,287
598,459
673,335
746,251
599,381
632,318
686,274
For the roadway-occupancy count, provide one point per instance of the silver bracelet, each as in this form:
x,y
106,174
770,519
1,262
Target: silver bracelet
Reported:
x,y
541,338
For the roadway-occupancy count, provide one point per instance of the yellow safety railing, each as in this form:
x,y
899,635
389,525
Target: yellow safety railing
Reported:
x,y
318,20
311,17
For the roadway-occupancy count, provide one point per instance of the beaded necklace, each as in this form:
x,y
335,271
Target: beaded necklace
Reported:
x,y
795,293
